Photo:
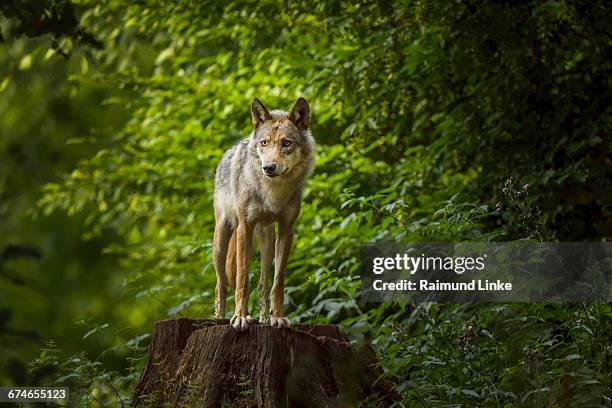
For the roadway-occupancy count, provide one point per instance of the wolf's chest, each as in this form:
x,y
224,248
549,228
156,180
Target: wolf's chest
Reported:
x,y
272,201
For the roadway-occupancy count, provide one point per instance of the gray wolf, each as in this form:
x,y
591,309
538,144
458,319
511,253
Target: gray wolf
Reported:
x,y
258,183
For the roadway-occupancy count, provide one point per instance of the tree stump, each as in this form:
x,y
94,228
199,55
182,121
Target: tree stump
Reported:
x,y
206,363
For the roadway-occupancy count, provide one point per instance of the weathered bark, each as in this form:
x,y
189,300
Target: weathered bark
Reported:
x,y
206,363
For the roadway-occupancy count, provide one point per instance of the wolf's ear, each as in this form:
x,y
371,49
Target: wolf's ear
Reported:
x,y
259,113
300,114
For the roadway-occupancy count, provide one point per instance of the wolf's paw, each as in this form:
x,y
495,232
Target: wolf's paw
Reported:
x,y
241,323
264,318
279,322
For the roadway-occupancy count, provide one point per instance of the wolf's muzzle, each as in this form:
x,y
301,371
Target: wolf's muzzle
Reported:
x,y
269,170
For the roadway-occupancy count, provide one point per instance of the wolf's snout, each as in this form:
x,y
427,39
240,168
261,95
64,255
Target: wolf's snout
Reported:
x,y
269,169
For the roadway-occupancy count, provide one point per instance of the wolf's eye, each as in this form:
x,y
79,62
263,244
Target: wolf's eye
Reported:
x,y
264,142
286,143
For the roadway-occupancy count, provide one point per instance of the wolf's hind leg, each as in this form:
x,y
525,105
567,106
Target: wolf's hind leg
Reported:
x,y
265,240
244,242
281,253
223,232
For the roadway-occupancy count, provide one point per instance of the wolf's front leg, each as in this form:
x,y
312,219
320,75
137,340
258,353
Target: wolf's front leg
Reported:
x,y
244,240
265,240
283,246
223,232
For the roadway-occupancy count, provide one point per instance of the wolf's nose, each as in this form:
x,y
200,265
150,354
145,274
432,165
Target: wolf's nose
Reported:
x,y
269,169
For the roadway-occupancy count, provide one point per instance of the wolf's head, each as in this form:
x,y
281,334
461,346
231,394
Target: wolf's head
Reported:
x,y
282,139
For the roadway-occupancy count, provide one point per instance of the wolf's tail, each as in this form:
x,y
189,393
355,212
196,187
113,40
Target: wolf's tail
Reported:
x,y
230,261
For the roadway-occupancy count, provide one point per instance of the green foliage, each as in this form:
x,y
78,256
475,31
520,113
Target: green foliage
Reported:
x,y
520,212
49,277
89,382
499,355
55,19
421,111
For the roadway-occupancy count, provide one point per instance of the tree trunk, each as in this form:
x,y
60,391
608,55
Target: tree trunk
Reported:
x,y
206,363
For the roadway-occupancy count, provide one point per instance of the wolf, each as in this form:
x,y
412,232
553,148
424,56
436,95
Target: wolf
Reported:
x,y
259,182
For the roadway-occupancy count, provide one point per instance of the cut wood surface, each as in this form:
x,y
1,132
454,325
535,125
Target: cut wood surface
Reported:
x,y
206,363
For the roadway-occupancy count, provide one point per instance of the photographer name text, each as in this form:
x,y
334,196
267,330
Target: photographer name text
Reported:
x,y
426,285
